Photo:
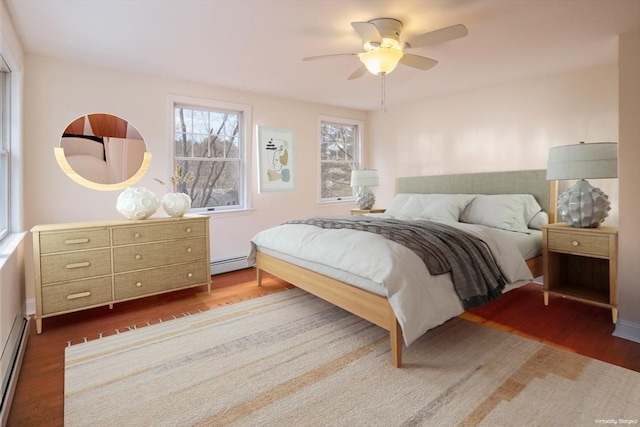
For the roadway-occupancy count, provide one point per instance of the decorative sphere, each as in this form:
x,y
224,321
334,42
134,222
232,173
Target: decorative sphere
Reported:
x,y
176,204
365,199
583,205
137,203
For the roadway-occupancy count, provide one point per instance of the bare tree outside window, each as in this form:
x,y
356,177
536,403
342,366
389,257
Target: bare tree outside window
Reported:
x,y
209,145
339,155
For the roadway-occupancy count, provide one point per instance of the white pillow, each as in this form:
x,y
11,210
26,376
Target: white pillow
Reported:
x,y
430,206
540,219
511,212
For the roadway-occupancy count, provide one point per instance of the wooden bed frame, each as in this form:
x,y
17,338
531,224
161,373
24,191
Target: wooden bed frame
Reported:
x,y
375,308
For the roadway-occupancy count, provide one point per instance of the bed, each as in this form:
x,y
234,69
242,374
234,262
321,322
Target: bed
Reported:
x,y
378,284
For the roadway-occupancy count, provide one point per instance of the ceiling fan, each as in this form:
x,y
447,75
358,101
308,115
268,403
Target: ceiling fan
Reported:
x,y
383,49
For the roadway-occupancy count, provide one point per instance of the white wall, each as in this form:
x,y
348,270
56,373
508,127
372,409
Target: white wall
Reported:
x,y
512,126
629,172
12,259
499,128
57,92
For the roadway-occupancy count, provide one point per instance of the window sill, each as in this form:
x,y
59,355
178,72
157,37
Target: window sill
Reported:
x,y
9,246
335,203
226,213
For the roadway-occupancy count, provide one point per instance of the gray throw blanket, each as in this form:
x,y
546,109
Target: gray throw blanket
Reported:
x,y
443,249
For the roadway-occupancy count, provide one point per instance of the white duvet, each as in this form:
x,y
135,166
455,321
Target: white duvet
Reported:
x,y
419,300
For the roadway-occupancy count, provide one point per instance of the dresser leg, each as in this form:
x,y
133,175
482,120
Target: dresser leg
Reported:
x,y
38,326
546,297
614,315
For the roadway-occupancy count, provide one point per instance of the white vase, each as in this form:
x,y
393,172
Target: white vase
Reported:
x,y
176,204
137,203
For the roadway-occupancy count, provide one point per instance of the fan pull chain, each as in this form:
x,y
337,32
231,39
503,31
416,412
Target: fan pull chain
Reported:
x,y
383,93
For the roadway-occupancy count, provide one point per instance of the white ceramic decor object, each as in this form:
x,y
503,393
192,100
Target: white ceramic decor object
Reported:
x,y
137,203
176,204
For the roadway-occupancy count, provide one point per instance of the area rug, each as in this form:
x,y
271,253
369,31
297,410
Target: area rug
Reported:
x,y
291,359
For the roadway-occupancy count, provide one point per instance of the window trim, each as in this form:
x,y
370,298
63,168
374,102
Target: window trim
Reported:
x,y
244,131
359,154
5,150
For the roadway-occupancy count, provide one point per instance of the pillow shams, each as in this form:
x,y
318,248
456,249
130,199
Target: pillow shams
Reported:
x,y
430,206
511,212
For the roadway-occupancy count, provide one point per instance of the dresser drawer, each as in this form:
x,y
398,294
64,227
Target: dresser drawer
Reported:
x,y
76,295
73,241
75,265
131,285
157,232
136,257
578,243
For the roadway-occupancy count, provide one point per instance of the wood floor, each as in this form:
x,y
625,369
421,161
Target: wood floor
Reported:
x,y
39,399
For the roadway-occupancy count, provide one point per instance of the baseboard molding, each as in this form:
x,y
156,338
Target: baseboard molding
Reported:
x,y
627,330
229,264
30,306
16,364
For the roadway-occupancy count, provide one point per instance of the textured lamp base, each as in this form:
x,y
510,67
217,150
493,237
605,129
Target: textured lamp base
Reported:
x,y
365,198
583,205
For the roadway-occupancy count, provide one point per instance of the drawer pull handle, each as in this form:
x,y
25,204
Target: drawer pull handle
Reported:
x,y
188,250
139,284
188,230
189,274
79,295
138,256
575,243
76,241
136,235
78,265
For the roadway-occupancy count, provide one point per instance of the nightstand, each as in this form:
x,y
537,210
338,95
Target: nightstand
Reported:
x,y
581,264
366,211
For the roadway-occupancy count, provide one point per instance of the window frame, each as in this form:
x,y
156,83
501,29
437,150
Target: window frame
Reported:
x,y
359,155
244,145
5,150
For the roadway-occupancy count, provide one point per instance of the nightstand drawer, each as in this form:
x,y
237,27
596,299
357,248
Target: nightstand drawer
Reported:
x,y
74,295
577,243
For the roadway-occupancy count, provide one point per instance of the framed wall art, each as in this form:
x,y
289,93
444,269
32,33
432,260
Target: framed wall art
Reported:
x,y
276,161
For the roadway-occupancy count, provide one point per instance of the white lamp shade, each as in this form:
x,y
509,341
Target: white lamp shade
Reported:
x,y
382,60
583,161
364,178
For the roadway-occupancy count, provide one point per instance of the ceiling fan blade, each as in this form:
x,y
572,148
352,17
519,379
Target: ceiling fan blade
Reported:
x,y
368,32
334,55
417,61
438,36
358,73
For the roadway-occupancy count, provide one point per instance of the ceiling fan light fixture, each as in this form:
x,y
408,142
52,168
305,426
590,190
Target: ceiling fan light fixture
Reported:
x,y
381,61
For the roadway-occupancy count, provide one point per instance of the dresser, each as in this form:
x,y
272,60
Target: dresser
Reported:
x,y
90,264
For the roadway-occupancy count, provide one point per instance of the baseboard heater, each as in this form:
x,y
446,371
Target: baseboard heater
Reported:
x,y
229,264
11,358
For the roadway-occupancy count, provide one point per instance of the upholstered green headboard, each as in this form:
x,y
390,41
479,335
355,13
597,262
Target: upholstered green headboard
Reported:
x,y
513,182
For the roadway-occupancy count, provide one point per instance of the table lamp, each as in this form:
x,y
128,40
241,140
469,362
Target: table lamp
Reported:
x,y
583,205
363,179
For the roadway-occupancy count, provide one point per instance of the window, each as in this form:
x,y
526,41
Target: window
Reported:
x,y
210,142
340,151
4,149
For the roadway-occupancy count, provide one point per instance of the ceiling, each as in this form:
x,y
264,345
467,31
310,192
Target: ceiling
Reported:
x,y
257,45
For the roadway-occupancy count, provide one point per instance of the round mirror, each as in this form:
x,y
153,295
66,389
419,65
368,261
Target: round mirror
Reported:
x,y
103,152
